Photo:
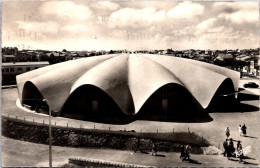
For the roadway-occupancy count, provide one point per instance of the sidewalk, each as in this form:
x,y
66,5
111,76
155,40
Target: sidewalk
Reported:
x,y
38,154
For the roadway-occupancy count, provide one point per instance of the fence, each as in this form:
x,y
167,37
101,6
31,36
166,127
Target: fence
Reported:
x,y
70,123
8,86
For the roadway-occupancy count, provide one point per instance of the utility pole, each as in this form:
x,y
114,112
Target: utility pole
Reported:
x,y
50,139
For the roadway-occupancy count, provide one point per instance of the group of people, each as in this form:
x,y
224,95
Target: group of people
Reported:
x,y
229,149
185,149
137,147
228,145
242,130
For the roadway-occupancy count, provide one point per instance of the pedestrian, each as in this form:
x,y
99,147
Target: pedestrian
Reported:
x,y
244,129
240,152
228,152
187,152
227,132
231,146
154,148
36,107
225,146
183,155
240,130
137,145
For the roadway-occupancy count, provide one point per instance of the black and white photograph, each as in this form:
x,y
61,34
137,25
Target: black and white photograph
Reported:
x,y
127,83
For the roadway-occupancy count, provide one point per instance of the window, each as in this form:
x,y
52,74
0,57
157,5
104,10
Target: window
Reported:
x,y
20,69
28,69
11,69
7,70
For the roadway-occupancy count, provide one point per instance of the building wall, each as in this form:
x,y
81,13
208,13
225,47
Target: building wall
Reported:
x,y
9,72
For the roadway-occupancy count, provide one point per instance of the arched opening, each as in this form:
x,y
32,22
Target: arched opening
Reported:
x,y
90,103
173,103
224,98
32,97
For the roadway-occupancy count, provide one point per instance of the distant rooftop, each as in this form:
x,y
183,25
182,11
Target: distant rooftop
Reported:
x,y
24,63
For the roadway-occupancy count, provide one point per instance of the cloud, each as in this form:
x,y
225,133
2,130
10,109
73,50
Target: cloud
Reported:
x,y
42,27
203,26
236,6
78,25
136,17
216,29
186,10
238,12
105,5
241,17
66,10
75,28
211,25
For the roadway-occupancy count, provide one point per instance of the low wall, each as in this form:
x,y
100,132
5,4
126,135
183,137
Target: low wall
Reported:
x,y
85,162
75,137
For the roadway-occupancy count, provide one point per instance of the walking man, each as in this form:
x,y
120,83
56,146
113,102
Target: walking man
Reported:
x,y
183,155
154,148
225,146
187,151
137,145
231,146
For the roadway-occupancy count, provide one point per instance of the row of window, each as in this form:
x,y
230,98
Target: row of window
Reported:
x,y
18,69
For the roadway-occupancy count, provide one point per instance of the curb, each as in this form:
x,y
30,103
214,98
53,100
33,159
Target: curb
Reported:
x,y
74,160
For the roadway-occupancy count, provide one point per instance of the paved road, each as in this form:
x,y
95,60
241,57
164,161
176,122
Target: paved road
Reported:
x,y
255,91
20,153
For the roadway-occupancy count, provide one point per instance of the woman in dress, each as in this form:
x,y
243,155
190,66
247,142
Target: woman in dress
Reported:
x,y
240,152
244,129
240,130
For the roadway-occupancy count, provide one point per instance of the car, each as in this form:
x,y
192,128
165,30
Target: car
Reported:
x,y
251,85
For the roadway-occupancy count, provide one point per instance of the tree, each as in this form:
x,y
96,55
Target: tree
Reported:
x,y
111,52
92,54
64,50
241,64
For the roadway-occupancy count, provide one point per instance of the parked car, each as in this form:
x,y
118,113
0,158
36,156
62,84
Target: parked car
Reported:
x,y
251,85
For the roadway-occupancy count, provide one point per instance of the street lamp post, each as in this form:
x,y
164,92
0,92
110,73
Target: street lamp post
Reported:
x,y
50,141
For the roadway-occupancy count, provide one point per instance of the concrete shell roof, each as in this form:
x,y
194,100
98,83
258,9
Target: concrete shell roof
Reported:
x,y
128,79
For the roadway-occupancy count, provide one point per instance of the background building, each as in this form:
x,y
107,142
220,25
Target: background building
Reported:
x,y
11,69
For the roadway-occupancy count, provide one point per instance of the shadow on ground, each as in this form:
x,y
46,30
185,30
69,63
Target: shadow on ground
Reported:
x,y
234,107
192,161
159,155
123,119
247,97
244,161
250,137
229,106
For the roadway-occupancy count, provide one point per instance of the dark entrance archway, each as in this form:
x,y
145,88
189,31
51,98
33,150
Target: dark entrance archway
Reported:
x,y
224,99
32,97
90,103
173,103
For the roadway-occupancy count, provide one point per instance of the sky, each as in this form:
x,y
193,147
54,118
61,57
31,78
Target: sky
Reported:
x,y
143,25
